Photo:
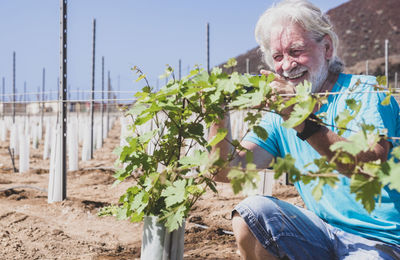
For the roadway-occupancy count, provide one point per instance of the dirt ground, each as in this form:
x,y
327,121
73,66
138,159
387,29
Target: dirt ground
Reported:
x,y
31,228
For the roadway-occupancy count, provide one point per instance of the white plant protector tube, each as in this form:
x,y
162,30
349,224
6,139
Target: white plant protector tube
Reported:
x,y
73,145
24,152
14,140
86,142
47,139
158,243
55,171
99,138
35,135
3,129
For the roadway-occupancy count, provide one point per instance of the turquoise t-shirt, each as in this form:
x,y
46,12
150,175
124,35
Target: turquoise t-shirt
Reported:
x,y
337,206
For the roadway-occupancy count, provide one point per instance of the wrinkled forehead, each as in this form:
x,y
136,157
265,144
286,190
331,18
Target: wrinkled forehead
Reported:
x,y
288,35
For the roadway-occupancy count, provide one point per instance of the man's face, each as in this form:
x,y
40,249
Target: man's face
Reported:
x,y
297,56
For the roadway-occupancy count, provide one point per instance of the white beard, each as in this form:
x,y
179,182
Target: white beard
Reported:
x,y
318,78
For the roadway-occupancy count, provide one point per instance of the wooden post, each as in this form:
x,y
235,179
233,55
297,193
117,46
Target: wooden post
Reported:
x,y
247,65
92,99
395,80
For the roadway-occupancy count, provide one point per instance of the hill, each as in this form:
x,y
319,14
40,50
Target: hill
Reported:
x,y
362,27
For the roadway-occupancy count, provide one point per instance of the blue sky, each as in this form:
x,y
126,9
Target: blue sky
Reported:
x,y
147,33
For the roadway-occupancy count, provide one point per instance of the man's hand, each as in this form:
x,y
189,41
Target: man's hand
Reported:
x,y
284,89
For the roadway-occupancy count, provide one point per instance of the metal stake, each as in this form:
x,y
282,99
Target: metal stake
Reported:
x,y
102,98
386,63
180,68
92,102
13,99
43,87
108,101
3,98
208,47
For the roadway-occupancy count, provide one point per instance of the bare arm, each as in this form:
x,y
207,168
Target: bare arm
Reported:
x,y
261,157
324,138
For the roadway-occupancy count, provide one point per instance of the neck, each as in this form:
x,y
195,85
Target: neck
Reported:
x,y
329,82
327,86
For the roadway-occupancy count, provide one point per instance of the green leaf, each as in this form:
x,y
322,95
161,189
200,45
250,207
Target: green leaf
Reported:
x,y
381,80
260,132
122,213
175,220
198,158
286,165
366,189
230,63
221,133
140,201
141,77
226,85
386,101
175,194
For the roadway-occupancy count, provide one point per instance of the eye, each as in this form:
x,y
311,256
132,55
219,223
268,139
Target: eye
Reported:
x,y
297,52
277,57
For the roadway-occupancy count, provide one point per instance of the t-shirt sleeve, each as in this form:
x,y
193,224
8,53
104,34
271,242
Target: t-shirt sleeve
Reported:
x,y
383,117
270,122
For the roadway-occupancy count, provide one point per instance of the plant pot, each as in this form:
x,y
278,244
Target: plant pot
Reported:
x,y
158,243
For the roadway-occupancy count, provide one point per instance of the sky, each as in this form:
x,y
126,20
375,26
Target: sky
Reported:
x,y
149,34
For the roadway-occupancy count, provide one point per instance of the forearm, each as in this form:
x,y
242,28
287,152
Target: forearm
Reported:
x,y
324,138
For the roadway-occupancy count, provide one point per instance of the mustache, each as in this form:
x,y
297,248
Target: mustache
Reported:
x,y
293,72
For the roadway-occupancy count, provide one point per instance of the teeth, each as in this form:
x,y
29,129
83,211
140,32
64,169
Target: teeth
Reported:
x,y
297,75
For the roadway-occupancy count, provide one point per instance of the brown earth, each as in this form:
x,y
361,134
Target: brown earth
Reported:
x,y
30,228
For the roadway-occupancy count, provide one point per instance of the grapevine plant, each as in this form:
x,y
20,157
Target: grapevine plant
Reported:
x,y
179,169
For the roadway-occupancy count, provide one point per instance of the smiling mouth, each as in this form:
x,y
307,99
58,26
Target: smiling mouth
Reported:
x,y
296,76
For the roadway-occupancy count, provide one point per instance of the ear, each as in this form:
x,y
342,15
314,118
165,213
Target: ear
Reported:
x,y
328,45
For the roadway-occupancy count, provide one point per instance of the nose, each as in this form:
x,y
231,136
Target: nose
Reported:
x,y
288,64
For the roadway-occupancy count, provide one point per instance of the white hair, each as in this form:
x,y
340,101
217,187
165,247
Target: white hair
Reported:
x,y
300,12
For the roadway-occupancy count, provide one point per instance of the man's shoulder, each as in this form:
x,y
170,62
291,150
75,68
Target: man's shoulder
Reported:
x,y
356,81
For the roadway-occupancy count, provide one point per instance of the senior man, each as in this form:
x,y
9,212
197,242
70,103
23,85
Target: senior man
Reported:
x,y
298,42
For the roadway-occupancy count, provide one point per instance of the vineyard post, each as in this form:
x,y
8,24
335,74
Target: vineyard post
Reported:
x,y
366,67
247,65
395,80
108,100
102,98
3,98
386,62
180,69
92,98
59,192
119,88
24,91
208,47
43,86
13,99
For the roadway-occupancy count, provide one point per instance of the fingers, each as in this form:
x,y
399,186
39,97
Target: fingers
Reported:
x,y
277,77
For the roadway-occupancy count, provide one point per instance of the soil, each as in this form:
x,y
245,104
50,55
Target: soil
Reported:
x,y
31,228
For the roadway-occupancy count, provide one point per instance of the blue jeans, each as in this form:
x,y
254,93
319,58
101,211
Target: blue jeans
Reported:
x,y
288,231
